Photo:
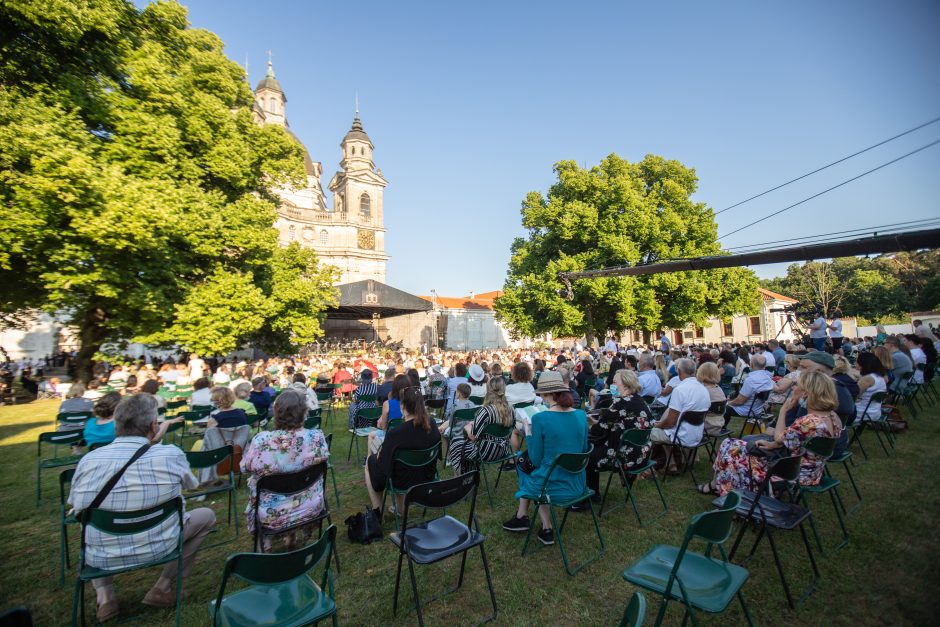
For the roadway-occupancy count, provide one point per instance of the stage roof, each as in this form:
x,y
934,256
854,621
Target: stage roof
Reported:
x,y
362,299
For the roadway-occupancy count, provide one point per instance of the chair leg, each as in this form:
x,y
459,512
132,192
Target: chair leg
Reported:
x,y
836,499
401,556
528,535
747,614
414,591
486,484
489,582
606,489
335,489
812,526
848,471
349,452
662,611
783,577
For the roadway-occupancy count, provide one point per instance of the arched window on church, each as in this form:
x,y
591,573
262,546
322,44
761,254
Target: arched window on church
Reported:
x,y
324,237
292,232
365,206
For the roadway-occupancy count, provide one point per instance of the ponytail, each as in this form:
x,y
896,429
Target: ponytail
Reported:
x,y
412,400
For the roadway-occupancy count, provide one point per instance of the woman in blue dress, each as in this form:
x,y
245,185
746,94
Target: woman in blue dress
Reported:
x,y
557,430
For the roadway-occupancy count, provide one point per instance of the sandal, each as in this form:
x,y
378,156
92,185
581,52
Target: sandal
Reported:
x,y
706,488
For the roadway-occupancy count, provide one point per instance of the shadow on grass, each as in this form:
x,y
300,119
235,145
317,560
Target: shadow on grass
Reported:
x,y
8,431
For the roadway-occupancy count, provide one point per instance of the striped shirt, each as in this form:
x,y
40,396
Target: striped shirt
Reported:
x,y
157,477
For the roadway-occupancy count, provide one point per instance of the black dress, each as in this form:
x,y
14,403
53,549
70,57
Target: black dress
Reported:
x,y
627,412
407,437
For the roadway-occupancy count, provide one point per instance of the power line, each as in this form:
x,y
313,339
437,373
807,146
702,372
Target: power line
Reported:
x,y
845,182
854,154
880,229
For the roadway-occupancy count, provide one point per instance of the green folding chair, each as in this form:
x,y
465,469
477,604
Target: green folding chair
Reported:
x,y
823,447
412,458
56,439
65,519
636,438
73,419
636,611
476,400
313,419
697,580
329,467
325,400
878,426
175,406
280,590
208,459
369,418
495,432
574,463
128,523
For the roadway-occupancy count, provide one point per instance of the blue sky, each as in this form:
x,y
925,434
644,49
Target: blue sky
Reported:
x,y
470,104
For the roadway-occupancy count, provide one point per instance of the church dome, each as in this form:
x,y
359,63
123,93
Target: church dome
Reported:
x,y
270,81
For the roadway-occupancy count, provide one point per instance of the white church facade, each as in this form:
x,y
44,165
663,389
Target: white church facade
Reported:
x,y
349,235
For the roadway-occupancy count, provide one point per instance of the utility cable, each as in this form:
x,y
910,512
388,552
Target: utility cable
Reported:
x,y
855,154
843,234
825,191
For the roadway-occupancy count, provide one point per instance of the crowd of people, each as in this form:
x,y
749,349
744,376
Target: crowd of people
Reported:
x,y
522,408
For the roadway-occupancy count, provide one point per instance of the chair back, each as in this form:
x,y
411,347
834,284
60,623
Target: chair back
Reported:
x,y
325,396
648,399
291,482
312,422
569,462
58,438
131,522
367,398
521,405
637,438
171,405
694,418
635,613
418,458
369,414
497,431
74,417
462,415
209,458
714,527
476,400
394,423
821,446
267,569
718,407
786,468
205,410
445,493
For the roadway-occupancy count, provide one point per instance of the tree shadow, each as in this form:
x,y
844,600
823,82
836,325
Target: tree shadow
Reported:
x,y
8,431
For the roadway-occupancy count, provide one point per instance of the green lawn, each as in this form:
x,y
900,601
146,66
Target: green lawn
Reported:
x,y
884,575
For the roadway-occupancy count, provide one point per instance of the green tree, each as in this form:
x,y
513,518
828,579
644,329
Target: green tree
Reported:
x,y
614,213
135,187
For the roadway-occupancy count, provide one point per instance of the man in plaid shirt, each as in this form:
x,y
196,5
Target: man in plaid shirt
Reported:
x,y
156,477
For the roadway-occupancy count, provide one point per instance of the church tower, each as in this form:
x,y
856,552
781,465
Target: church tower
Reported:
x,y
270,97
357,196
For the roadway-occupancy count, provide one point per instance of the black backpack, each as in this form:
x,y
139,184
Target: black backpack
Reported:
x,y
364,527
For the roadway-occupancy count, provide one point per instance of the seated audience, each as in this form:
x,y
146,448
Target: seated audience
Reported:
x,y
242,392
476,377
300,384
258,397
75,401
391,410
709,376
560,428
689,395
367,388
152,387
158,476
520,390
873,381
461,401
288,447
740,466
783,387
650,385
202,393
759,380
901,363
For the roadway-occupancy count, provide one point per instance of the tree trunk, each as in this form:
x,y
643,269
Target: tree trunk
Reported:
x,y
92,335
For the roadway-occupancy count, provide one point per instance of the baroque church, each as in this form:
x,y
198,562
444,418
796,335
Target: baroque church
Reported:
x,y
349,235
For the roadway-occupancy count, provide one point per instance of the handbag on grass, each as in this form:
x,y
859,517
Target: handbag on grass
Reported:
x,y
364,527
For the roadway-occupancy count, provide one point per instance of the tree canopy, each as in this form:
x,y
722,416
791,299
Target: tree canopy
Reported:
x,y
615,213
136,188
880,289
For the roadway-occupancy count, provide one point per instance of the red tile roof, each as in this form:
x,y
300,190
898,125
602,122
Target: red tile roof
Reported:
x,y
775,295
479,301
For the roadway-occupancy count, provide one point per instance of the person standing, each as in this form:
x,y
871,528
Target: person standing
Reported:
x,y
836,335
196,367
818,331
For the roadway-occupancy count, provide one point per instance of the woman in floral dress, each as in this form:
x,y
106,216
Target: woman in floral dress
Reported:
x,y
736,470
289,447
628,411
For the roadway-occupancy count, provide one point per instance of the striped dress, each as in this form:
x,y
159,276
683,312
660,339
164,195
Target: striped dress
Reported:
x,y
464,453
364,389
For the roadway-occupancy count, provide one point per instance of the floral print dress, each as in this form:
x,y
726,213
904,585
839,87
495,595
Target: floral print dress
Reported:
x,y
627,412
272,452
736,470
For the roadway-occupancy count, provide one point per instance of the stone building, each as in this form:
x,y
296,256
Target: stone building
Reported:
x,y
349,235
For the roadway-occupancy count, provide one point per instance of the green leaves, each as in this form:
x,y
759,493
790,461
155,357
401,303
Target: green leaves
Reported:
x,y
136,191
615,213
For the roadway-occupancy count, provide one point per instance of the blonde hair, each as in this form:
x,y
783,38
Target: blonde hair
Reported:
x,y
820,391
792,362
842,365
223,397
884,356
76,390
628,381
708,373
496,396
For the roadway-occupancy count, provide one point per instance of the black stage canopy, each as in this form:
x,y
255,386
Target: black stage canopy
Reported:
x,y
363,299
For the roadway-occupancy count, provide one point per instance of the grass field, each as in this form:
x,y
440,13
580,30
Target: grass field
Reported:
x,y
883,577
